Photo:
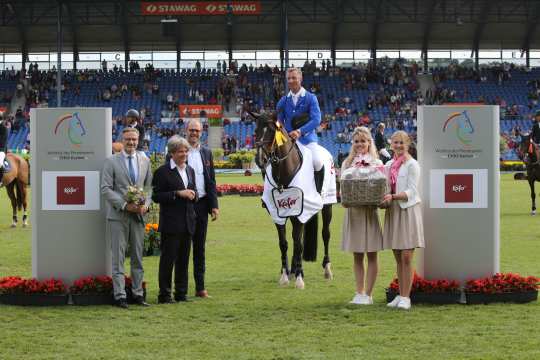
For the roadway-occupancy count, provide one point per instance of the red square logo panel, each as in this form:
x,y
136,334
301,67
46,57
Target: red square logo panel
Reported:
x,y
458,188
70,190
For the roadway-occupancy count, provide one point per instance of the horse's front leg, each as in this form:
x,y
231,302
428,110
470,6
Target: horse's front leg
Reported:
x,y
533,197
297,232
327,219
10,188
283,247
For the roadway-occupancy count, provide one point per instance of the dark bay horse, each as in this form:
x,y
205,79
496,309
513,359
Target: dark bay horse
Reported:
x,y
16,180
528,155
285,160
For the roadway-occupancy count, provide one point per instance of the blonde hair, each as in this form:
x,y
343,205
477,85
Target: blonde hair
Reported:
x,y
365,133
296,70
403,136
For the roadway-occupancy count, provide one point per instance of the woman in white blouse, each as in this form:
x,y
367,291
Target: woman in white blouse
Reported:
x,y
403,226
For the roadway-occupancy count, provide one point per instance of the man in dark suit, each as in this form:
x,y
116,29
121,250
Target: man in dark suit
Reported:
x,y
535,135
174,190
200,159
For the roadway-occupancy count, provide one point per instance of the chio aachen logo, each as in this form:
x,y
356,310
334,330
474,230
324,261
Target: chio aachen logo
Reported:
x,y
461,124
73,126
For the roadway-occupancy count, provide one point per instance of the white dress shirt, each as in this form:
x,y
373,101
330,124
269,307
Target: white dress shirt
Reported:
x,y
134,161
295,97
195,161
181,170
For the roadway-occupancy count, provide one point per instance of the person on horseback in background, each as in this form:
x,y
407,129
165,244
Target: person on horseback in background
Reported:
x,y
3,145
535,136
133,120
297,105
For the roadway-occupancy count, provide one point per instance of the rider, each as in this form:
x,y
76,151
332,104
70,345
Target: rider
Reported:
x,y
133,120
3,145
535,135
296,103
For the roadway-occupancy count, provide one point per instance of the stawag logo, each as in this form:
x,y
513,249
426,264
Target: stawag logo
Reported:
x,y
74,128
461,124
287,203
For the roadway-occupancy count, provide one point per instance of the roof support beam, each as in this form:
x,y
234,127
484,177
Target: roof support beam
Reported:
x,y
530,29
124,27
22,32
375,29
428,24
486,7
338,19
229,24
74,32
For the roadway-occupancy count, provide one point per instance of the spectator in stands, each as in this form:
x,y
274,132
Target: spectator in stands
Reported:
x,y
380,143
104,65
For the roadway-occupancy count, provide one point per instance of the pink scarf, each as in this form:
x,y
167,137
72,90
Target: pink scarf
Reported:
x,y
394,170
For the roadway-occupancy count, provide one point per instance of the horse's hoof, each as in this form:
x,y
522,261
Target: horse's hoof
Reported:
x,y
284,279
13,225
299,284
24,225
533,213
328,272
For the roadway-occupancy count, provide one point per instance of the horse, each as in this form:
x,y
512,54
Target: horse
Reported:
x,y
527,154
16,180
285,159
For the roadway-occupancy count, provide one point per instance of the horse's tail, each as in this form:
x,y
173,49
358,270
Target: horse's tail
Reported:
x,y
310,238
19,192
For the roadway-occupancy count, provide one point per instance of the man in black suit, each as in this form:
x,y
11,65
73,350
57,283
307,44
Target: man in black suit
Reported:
x,y
535,135
3,146
200,159
174,190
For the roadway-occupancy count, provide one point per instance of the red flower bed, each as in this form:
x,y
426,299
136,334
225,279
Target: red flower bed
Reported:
x,y
232,189
503,283
18,285
428,286
92,285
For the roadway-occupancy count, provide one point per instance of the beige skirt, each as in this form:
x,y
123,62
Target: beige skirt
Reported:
x,y
403,228
361,230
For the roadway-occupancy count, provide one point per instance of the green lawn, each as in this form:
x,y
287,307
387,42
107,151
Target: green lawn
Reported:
x,y
250,317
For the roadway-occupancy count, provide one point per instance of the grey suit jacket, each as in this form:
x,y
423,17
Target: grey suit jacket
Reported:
x,y
115,181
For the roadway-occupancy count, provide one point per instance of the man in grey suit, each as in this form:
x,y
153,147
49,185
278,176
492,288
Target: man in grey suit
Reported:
x,y
125,222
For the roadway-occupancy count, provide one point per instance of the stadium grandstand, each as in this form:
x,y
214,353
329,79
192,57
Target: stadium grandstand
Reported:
x,y
368,61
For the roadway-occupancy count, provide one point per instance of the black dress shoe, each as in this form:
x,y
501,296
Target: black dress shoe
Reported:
x,y
181,298
121,303
165,300
139,300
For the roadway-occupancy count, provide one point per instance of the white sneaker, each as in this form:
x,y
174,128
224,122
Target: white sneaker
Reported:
x,y
394,302
404,303
361,299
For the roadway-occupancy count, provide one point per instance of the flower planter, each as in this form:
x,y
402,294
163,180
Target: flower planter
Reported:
x,y
439,298
92,299
34,299
249,194
515,297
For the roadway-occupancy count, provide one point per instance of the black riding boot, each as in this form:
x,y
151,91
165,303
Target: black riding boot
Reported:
x,y
319,179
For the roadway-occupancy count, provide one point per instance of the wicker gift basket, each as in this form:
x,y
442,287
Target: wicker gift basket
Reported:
x,y
361,186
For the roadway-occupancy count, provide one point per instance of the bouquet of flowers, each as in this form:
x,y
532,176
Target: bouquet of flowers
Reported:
x,y
135,195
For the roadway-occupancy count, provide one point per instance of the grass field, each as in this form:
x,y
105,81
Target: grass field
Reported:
x,y
250,317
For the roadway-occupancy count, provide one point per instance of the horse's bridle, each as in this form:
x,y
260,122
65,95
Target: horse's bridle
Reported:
x,y
271,156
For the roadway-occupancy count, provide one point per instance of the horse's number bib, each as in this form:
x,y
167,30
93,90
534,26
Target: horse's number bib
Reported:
x,y
289,202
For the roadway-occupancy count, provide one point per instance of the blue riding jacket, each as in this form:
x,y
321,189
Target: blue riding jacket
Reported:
x,y
307,103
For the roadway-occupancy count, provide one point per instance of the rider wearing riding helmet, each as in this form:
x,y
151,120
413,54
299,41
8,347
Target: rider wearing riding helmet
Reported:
x,y
300,103
3,145
535,135
133,120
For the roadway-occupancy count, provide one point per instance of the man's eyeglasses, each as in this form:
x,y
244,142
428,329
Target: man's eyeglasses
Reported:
x,y
194,130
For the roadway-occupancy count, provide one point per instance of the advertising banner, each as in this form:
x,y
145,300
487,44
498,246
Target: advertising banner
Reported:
x,y
200,8
194,111
458,152
69,146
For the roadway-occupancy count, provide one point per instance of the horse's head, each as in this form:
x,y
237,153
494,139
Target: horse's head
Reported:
x,y
265,130
526,150
76,126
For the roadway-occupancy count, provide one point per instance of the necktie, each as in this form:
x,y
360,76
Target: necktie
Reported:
x,y
131,170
